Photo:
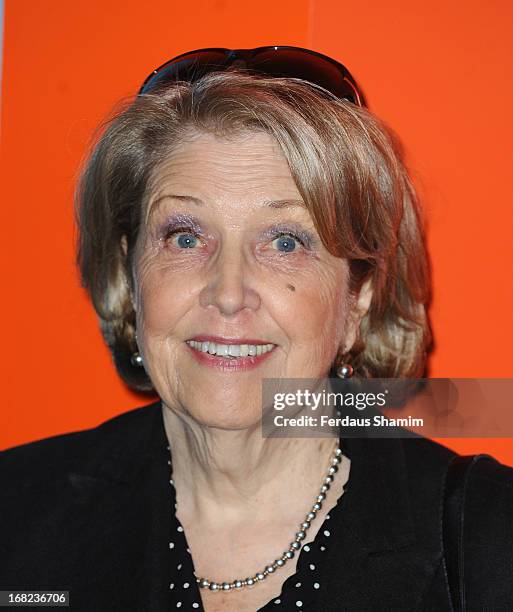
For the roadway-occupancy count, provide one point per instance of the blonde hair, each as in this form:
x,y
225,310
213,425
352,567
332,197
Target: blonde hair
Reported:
x,y
346,163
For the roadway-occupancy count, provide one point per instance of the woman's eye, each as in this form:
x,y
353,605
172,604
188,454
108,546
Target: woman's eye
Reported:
x,y
286,243
183,239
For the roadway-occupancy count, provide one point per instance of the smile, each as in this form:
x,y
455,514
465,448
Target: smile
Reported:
x,y
230,351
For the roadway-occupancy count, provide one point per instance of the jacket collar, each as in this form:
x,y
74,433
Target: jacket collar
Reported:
x,y
126,443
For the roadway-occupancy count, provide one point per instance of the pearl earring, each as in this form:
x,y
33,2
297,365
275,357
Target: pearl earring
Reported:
x,y
136,358
346,370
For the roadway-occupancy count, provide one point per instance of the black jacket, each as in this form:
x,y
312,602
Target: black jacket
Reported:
x,y
86,512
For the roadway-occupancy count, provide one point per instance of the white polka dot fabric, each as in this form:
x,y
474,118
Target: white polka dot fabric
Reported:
x,y
299,592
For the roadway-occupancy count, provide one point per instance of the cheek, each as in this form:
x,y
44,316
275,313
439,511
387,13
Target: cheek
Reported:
x,y
313,306
164,296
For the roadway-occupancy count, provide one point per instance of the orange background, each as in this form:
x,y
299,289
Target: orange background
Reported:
x,y
439,73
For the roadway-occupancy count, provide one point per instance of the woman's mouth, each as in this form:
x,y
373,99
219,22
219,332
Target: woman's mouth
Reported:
x,y
230,356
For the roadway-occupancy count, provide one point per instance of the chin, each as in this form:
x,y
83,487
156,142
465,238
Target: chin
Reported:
x,y
230,418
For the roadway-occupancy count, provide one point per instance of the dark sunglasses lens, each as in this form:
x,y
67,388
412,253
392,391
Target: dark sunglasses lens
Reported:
x,y
301,65
279,62
189,68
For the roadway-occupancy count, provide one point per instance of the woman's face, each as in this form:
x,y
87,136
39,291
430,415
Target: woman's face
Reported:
x,y
227,255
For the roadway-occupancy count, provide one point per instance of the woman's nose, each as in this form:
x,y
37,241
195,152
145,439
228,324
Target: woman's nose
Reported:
x,y
229,284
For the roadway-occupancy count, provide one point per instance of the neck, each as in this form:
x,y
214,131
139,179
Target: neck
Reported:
x,y
221,476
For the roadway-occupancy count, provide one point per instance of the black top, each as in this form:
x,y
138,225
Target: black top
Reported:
x,y
299,591
90,512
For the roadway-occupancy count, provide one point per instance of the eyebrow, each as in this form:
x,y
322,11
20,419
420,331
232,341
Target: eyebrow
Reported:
x,y
276,204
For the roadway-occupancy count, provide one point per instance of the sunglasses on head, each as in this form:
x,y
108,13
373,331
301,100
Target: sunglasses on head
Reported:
x,y
285,61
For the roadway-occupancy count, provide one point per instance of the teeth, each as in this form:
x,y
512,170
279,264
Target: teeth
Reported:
x,y
234,350
230,350
222,350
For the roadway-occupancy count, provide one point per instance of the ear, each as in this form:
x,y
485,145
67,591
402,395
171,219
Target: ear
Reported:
x,y
360,306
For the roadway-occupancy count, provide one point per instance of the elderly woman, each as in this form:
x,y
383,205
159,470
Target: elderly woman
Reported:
x,y
245,218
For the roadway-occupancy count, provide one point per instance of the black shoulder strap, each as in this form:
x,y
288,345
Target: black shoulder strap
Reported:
x,y
456,481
